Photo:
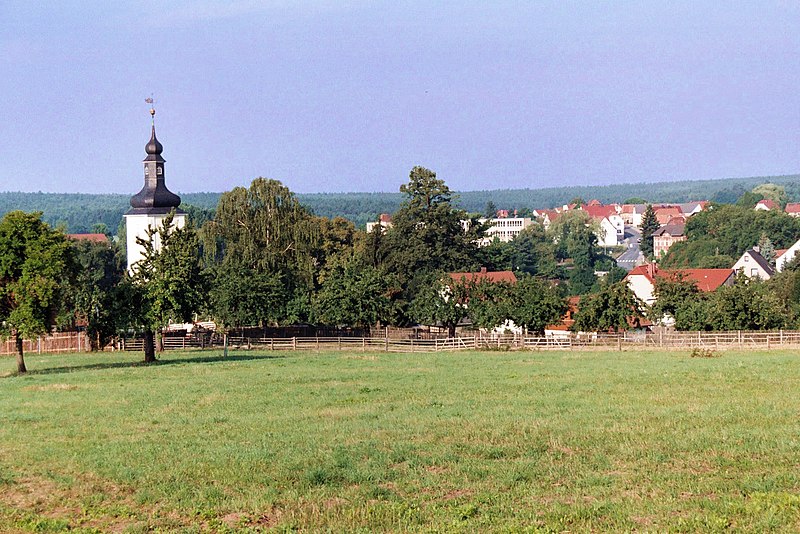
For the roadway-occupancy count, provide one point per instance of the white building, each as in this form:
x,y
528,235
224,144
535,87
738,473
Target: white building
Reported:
x,y
787,256
754,265
505,228
151,205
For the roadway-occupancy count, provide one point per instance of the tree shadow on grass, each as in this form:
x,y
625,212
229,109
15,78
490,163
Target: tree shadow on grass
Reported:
x,y
140,363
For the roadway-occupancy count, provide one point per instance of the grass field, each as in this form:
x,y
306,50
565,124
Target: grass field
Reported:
x,y
494,441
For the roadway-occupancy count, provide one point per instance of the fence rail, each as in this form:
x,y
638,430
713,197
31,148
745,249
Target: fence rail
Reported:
x,y
687,340
78,342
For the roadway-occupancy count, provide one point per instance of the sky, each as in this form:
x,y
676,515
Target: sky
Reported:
x,y
341,96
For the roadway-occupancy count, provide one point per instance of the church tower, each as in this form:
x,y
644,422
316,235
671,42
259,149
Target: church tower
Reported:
x,y
151,205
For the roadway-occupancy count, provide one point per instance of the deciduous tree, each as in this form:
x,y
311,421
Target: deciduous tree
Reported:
x,y
168,283
34,261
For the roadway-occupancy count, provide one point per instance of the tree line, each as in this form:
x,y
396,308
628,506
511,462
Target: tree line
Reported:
x,y
261,257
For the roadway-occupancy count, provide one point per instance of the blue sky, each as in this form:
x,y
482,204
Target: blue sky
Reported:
x,y
348,96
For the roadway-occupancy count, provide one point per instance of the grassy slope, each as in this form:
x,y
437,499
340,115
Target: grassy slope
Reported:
x,y
470,441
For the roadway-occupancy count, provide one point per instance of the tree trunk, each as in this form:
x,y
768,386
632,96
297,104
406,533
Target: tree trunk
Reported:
x,y
451,330
20,359
159,341
149,347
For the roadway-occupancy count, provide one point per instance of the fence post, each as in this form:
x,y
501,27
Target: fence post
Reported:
x,y
363,344
317,343
781,337
768,341
740,338
294,343
412,345
387,342
39,345
339,343
619,343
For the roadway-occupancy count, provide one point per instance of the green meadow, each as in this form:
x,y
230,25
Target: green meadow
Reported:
x,y
365,442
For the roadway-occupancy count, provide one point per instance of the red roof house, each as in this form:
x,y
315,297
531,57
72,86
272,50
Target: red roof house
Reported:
x,y
94,238
642,279
483,274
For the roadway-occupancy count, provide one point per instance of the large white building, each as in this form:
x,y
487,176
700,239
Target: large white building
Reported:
x,y
505,228
151,205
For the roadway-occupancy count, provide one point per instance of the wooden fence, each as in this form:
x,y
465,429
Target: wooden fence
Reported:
x,y
57,342
78,342
673,340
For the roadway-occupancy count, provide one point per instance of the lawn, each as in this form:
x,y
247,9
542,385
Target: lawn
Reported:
x,y
492,441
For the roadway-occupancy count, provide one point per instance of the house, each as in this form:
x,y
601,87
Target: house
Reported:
x,y
664,214
642,279
692,208
483,274
754,265
632,214
766,205
786,256
793,209
611,223
666,236
384,223
93,238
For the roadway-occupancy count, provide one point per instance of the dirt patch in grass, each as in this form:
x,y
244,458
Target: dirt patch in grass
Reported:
x,y
89,502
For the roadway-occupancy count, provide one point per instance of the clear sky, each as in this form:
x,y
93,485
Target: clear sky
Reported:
x,y
331,96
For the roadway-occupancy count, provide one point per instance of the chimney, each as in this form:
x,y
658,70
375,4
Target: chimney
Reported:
x,y
483,270
515,213
651,269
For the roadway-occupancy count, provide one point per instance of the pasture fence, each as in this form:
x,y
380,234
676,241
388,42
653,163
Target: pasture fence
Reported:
x,y
569,341
740,339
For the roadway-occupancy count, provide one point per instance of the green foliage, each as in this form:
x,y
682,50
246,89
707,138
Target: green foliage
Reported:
x,y
442,301
353,295
263,232
575,236
533,252
242,296
534,304
34,261
773,192
99,269
427,236
729,231
615,308
168,283
746,305
648,226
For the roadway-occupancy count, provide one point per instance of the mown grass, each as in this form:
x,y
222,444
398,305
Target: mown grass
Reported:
x,y
520,441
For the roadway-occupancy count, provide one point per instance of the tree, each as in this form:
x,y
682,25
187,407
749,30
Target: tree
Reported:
x,y
490,211
99,269
353,294
442,302
263,230
427,236
534,304
610,309
766,248
167,283
534,252
34,261
649,226
678,298
774,192
241,296
575,235
746,305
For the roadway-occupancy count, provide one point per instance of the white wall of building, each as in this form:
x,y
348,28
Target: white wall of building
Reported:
x,y
137,226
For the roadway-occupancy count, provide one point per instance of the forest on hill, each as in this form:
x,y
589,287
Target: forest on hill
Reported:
x,y
78,213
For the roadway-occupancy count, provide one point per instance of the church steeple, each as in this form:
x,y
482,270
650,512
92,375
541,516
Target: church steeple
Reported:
x,y
154,196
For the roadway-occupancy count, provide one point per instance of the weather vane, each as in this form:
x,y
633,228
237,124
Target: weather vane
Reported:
x,y
151,101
